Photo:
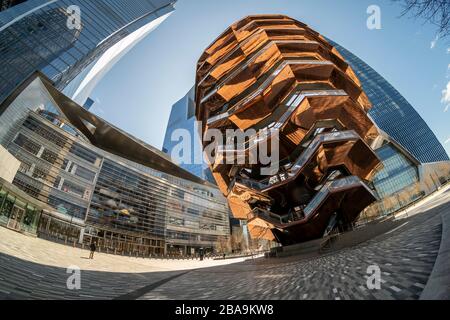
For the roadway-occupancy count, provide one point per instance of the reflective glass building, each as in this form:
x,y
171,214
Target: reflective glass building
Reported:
x,y
182,131
40,35
97,183
394,114
6,4
398,172
415,163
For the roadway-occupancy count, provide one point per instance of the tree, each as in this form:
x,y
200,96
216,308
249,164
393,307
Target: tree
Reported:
x,y
223,244
433,11
237,242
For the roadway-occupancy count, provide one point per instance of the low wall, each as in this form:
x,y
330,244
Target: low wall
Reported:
x,y
339,242
363,234
438,285
306,249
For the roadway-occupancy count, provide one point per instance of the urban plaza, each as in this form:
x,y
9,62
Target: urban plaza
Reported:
x,y
223,155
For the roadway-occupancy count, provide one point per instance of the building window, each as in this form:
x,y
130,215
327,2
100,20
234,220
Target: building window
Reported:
x,y
27,144
44,133
24,167
49,156
85,173
40,174
66,207
57,182
83,153
72,188
26,187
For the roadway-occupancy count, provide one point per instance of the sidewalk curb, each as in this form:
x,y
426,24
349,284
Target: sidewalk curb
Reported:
x,y
438,285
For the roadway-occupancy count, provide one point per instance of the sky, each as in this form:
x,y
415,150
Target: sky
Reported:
x,y
138,93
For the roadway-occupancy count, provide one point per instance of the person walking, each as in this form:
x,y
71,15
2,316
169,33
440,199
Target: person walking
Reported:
x,y
93,247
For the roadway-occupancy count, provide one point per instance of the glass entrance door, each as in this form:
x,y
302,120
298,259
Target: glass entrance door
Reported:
x,y
15,218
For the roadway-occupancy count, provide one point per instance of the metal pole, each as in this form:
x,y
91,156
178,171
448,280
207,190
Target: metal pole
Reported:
x,y
70,224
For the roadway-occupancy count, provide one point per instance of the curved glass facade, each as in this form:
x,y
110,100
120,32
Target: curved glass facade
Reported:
x,y
35,36
182,116
394,114
125,199
397,174
126,207
6,4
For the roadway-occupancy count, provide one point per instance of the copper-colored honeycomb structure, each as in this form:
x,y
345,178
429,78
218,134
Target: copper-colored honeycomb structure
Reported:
x,y
271,71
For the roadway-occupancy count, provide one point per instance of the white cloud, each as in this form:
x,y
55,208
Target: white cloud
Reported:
x,y
446,97
448,50
434,42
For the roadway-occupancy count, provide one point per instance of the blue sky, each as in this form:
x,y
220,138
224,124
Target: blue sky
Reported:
x,y
138,93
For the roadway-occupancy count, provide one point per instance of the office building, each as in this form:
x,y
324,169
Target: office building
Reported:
x,y
6,4
87,180
394,114
182,130
415,162
73,51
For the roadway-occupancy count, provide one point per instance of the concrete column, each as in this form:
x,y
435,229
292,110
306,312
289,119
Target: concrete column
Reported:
x,y
80,240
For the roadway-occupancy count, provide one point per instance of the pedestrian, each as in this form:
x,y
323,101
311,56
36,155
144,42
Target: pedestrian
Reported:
x,y
93,248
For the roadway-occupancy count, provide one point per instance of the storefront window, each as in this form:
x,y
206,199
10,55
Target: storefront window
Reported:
x,y
30,219
20,204
16,214
58,230
3,196
7,206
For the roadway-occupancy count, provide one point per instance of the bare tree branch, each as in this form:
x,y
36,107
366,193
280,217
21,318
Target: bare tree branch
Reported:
x,y
432,11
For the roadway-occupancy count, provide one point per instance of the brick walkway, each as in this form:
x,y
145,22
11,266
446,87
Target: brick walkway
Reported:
x,y
35,269
32,268
405,258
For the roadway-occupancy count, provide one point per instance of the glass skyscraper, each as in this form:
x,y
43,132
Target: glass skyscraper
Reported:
x,y
6,4
182,116
38,35
394,114
397,174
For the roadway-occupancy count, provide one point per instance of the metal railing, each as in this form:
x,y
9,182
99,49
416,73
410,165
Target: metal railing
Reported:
x,y
295,168
313,206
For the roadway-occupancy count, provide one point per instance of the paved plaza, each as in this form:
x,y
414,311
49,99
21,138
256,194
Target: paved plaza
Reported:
x,y
33,268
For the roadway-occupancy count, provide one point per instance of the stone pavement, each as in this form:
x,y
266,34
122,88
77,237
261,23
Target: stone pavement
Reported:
x,y
405,258
32,268
36,269
53,254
